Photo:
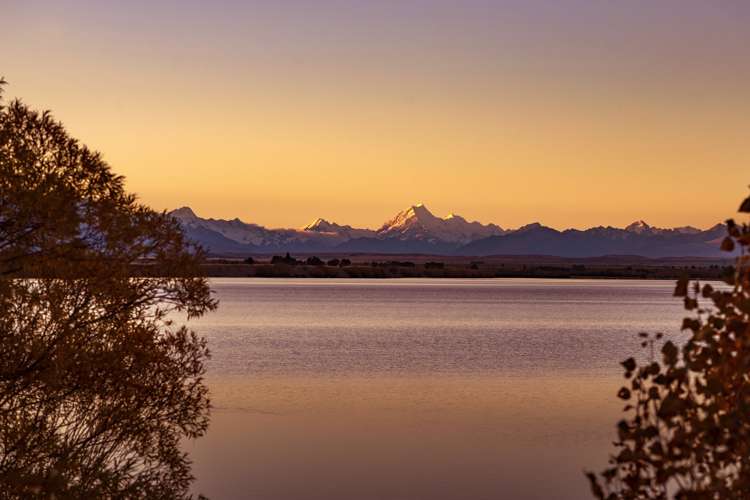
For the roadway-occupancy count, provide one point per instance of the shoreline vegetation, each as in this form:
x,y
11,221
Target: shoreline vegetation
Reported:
x,y
380,266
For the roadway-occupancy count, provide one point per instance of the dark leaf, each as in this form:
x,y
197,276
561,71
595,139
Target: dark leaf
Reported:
x,y
629,364
727,244
669,350
682,287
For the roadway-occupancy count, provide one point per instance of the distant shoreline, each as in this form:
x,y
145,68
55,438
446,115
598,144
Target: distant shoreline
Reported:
x,y
379,266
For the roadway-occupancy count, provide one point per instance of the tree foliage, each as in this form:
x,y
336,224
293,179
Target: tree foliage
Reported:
x,y
98,386
686,433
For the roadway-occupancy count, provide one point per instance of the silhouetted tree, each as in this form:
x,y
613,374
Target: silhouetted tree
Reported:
x,y
314,261
287,259
397,263
333,262
345,262
249,260
97,385
686,434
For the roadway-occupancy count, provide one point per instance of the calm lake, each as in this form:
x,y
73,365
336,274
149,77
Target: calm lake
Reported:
x,y
418,389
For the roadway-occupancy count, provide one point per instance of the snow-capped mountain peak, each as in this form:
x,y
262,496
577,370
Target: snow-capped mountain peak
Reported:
x,y
416,229
638,227
183,213
320,225
345,232
415,214
417,222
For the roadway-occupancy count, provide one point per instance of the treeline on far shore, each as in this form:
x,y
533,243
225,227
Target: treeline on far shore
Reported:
x,y
287,266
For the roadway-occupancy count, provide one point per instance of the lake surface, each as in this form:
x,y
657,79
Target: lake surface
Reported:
x,y
418,389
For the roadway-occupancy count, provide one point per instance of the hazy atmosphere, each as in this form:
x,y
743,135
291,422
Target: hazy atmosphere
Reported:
x,y
375,249
575,114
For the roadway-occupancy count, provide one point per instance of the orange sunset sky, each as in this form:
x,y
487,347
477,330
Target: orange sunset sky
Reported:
x,y
574,113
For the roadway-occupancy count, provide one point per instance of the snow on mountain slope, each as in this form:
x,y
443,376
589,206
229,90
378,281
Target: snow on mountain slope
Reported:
x,y
345,232
641,227
254,235
417,222
417,230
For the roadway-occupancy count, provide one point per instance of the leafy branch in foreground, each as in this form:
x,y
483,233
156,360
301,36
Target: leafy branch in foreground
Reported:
x,y
687,430
97,385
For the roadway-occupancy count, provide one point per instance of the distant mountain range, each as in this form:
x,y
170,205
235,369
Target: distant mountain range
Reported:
x,y
417,230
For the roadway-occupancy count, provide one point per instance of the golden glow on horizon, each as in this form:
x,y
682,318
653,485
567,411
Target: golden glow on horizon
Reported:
x,y
281,130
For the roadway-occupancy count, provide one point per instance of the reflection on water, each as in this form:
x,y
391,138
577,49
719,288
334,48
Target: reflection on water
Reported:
x,y
408,389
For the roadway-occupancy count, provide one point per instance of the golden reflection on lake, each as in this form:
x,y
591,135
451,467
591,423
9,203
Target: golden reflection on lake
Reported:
x,y
421,389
